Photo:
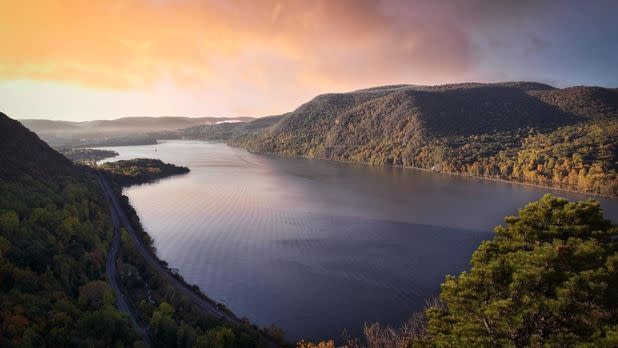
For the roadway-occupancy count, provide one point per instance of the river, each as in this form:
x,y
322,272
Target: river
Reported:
x,y
314,246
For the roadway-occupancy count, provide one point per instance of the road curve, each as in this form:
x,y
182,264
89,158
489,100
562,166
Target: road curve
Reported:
x,y
120,215
112,276
211,308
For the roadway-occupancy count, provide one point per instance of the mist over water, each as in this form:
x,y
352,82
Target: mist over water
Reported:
x,y
314,246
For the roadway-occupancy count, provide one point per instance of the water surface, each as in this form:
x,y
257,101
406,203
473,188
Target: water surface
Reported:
x,y
314,246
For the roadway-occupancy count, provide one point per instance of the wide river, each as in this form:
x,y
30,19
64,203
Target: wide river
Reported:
x,y
313,246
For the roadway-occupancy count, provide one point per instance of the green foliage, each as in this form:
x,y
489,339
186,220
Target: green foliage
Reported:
x,y
96,295
54,234
140,170
53,241
163,325
219,337
9,222
174,320
55,231
108,326
524,132
549,277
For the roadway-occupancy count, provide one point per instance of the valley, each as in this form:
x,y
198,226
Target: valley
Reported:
x,y
274,237
318,210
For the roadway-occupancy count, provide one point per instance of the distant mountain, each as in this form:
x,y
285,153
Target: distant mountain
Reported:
x,y
224,131
63,133
520,131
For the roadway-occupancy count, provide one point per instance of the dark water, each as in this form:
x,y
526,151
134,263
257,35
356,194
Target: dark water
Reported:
x,y
313,246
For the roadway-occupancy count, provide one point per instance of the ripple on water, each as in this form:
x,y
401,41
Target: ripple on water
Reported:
x,y
312,246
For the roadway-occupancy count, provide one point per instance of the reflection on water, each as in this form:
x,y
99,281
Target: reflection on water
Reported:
x,y
316,246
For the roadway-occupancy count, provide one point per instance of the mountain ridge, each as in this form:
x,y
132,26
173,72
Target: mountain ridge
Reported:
x,y
62,134
517,131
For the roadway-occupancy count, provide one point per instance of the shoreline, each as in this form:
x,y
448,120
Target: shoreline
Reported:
x,y
122,213
600,195
529,184
360,164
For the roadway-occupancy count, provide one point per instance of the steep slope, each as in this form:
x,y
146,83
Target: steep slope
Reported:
x,y
581,101
462,109
54,234
520,131
23,153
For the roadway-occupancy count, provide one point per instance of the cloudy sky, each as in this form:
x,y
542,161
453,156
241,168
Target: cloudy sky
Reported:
x,y
80,60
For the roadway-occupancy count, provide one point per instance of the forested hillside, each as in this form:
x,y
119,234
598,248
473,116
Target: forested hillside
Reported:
x,y
173,319
55,234
525,132
224,131
55,231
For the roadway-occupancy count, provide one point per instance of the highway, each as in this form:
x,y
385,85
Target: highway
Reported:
x,y
112,277
119,217
119,214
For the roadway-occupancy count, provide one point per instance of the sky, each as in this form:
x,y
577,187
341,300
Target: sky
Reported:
x,y
83,60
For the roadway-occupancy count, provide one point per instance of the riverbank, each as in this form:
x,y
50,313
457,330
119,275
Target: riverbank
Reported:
x,y
165,285
259,233
556,188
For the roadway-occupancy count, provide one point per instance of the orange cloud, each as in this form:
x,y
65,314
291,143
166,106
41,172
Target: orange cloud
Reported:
x,y
133,44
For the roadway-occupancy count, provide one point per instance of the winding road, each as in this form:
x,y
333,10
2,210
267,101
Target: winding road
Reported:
x,y
112,275
118,214
119,217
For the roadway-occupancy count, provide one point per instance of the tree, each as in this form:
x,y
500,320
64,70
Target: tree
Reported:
x,y
321,344
549,277
4,246
185,336
218,337
96,295
9,222
54,231
164,326
108,326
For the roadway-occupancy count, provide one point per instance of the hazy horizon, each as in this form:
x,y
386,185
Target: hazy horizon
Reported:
x,y
219,59
114,118
119,117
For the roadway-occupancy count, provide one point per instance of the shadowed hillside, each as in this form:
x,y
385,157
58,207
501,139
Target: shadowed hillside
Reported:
x,y
23,153
55,231
55,235
519,131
